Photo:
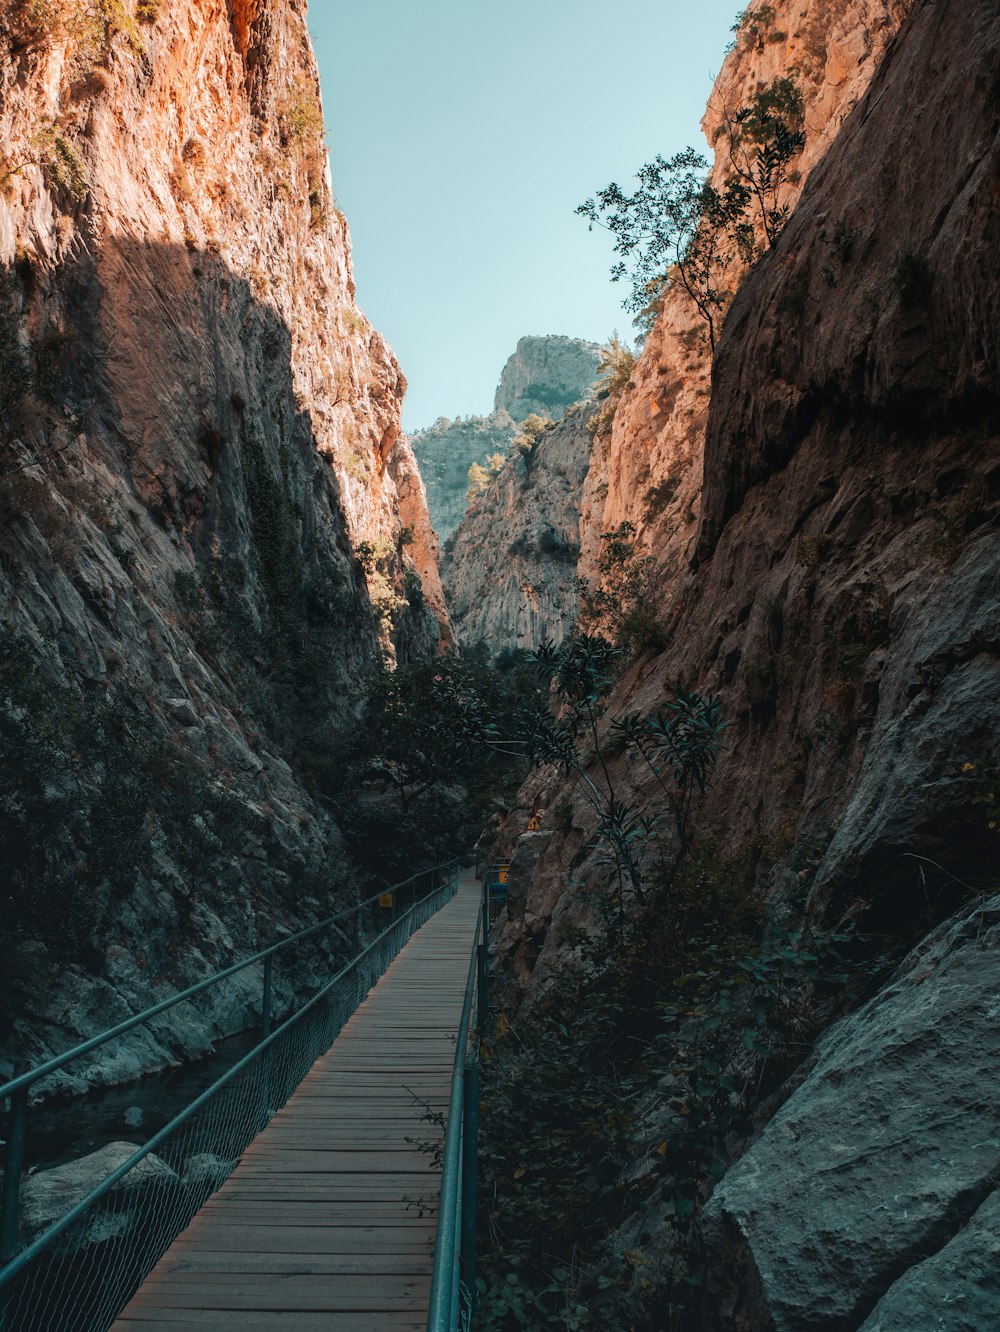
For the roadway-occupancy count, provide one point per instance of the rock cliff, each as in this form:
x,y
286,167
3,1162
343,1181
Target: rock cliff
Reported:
x,y
647,469
200,430
545,376
839,595
510,572
845,580
446,450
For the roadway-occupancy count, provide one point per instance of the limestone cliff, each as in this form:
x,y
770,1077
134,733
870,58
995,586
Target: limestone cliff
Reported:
x,y
647,469
200,429
510,573
446,450
546,375
543,376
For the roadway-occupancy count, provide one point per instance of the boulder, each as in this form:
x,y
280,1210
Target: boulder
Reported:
x,y
875,1163
49,1194
955,1290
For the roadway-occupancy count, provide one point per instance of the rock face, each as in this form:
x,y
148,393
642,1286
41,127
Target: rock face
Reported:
x,y
867,1176
199,428
545,376
510,572
844,581
446,450
841,601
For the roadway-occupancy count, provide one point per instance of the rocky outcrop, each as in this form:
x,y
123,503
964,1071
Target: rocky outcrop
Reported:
x,y
446,450
48,1195
510,572
199,429
842,1214
545,376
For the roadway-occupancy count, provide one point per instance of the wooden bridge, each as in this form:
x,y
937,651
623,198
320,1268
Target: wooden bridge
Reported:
x,y
319,1226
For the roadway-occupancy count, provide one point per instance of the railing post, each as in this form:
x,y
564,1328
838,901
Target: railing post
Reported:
x,y
265,1007
483,981
13,1167
356,931
470,1170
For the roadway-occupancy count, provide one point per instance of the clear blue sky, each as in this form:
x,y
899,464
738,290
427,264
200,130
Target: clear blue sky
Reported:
x,y
463,133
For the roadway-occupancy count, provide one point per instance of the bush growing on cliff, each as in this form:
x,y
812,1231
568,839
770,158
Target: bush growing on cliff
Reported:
x,y
407,786
622,606
615,368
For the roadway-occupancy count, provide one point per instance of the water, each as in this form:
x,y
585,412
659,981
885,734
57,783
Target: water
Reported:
x,y
67,1128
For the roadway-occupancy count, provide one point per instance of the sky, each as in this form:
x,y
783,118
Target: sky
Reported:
x,y
463,134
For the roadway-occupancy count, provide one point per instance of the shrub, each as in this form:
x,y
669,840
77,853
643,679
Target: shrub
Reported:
x,y
622,606
532,428
300,114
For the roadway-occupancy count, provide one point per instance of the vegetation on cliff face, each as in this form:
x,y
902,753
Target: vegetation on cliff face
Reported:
x,y
670,1028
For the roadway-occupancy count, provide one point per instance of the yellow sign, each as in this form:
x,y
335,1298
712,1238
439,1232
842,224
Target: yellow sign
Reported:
x,y
385,900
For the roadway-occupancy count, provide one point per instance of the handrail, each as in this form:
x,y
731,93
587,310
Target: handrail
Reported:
x,y
18,1087
43,1241
24,1080
455,1237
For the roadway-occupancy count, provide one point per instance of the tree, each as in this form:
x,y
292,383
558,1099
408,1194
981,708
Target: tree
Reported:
x,y
677,230
622,607
680,230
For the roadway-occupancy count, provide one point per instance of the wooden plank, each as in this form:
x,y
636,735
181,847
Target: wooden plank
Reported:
x,y
320,1224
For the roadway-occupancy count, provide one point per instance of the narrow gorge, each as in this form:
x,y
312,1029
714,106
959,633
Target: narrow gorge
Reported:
x,y
690,647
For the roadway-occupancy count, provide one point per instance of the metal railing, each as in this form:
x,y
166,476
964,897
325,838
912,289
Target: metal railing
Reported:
x,y
453,1282
224,1117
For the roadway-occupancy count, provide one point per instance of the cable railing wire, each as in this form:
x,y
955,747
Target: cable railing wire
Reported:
x,y
79,1272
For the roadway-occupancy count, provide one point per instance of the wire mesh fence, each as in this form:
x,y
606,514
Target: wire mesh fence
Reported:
x,y
81,1271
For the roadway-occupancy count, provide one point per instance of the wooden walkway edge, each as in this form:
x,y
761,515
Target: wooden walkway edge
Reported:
x,y
315,1228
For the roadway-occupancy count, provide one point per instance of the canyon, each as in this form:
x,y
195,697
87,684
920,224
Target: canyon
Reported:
x,y
819,502
216,535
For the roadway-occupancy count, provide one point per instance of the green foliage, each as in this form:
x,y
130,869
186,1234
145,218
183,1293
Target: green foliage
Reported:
x,y
675,230
615,368
29,26
678,746
667,1040
532,428
753,21
622,606
764,136
480,476
679,230
300,112
414,780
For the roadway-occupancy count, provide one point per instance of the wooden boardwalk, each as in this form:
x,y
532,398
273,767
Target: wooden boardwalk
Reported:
x,y
313,1230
